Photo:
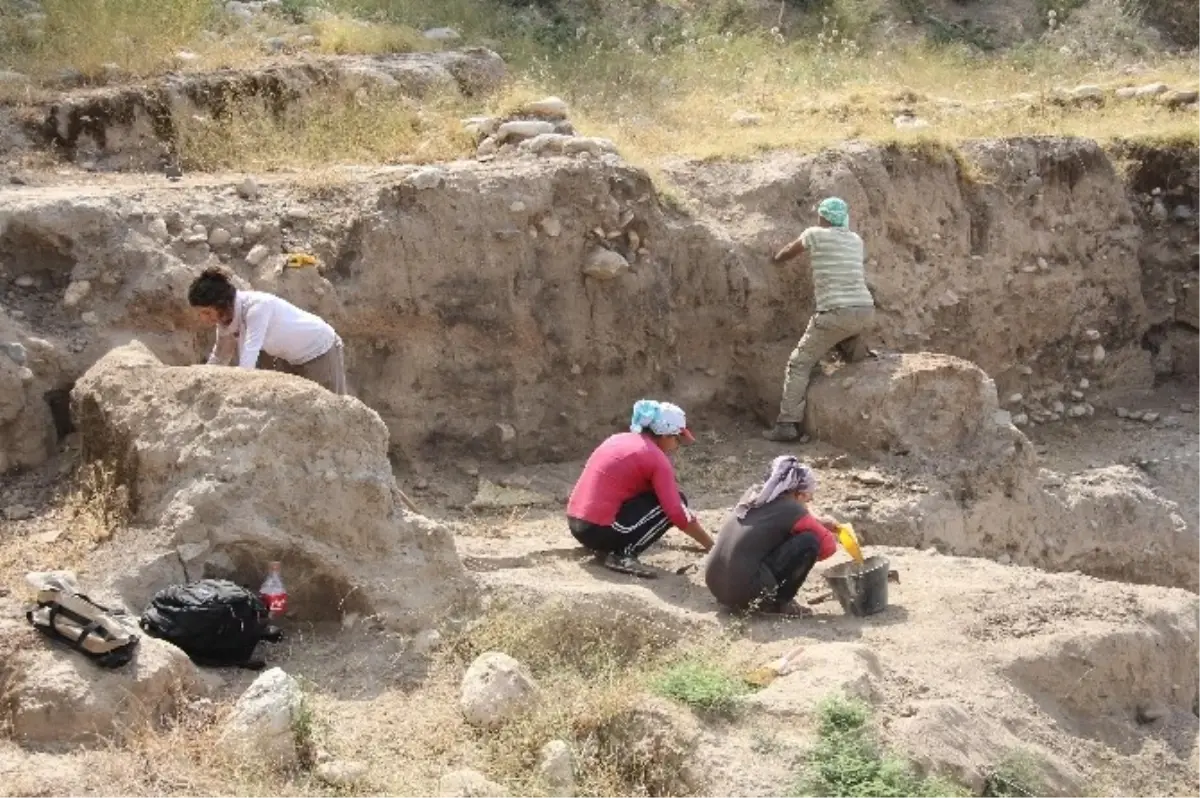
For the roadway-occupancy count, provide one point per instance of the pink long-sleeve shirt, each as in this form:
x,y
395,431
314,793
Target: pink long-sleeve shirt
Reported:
x,y
623,466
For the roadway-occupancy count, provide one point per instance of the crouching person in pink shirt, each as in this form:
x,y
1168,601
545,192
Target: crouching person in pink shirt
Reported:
x,y
627,496
770,542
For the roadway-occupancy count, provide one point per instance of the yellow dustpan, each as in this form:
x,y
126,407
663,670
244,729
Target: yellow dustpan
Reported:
x,y
849,541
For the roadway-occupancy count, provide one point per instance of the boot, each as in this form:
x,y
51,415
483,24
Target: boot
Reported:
x,y
783,432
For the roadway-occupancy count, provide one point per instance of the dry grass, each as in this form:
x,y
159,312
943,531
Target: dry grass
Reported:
x,y
85,35
93,509
341,35
325,130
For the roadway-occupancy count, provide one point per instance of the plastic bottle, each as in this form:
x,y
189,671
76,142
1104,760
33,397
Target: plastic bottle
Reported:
x,y
272,592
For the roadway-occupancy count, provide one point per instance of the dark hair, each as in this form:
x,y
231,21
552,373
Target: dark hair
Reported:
x,y
212,289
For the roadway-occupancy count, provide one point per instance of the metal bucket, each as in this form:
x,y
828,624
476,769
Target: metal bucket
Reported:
x,y
860,589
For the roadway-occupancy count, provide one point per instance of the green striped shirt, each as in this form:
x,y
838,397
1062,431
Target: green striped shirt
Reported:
x,y
836,256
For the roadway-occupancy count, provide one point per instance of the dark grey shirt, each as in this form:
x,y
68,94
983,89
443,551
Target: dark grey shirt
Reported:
x,y
743,544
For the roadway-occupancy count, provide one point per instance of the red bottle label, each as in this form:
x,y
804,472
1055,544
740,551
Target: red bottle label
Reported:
x,y
276,602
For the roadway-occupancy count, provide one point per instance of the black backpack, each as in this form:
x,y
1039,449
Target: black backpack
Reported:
x,y
214,621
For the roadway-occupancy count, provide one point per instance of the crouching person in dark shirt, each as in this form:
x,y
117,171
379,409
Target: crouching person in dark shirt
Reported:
x,y
769,543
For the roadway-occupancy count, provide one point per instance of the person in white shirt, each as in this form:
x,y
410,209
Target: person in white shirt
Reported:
x,y
252,322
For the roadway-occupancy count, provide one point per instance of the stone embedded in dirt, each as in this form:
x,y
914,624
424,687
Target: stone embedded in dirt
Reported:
x,y
219,238
523,129
467,783
496,689
910,122
550,108
551,226
604,264
56,696
258,254
557,768
248,190
870,478
1098,354
1151,90
1122,412
1020,420
1126,93
260,466
90,318
1180,97
343,773
157,229
15,351
1150,418
25,281
1015,399
1091,335
426,178
262,726
481,126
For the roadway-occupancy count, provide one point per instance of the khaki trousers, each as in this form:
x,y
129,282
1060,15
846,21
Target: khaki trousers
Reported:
x,y
842,328
327,370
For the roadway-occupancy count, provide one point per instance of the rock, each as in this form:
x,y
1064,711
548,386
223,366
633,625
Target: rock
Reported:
x,y
252,231
1122,412
1077,411
15,352
307,41
76,292
1098,354
746,119
467,783
1091,335
25,281
25,374
341,773
275,44
54,696
1077,395
1020,420
1150,418
1016,399
481,126
1187,407
1135,415
551,226
1084,383
1151,712
257,254
1150,90
262,726
248,190
18,512
1183,213
425,642
547,108
1126,93
157,229
1159,212
923,404
442,35
186,57
870,478
495,689
517,207
604,264
557,768
488,147
90,318
1180,97
591,145
219,238
1086,94
248,496
522,129
427,177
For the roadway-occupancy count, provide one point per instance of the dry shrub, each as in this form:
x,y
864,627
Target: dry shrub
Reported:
x,y
137,36
98,504
323,130
341,35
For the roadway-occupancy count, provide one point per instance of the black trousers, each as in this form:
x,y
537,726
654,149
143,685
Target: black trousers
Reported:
x,y
639,524
785,568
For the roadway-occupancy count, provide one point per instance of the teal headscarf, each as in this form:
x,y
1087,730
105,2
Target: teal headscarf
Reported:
x,y
835,211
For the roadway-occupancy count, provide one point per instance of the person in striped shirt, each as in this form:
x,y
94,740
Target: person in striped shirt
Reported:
x,y
845,308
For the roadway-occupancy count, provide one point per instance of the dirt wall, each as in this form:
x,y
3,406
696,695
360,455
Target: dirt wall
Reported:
x,y
472,307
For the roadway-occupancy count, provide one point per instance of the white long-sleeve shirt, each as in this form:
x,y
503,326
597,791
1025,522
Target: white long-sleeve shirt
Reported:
x,y
263,322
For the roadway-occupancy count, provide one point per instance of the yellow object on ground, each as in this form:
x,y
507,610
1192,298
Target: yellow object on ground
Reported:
x,y
297,260
849,541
